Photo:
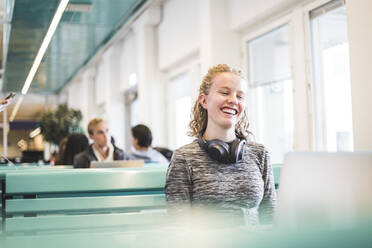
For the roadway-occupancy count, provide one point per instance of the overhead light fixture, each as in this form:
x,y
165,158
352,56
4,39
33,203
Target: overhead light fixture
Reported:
x,y
16,107
52,28
79,7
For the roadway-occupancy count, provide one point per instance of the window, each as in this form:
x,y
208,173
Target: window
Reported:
x,y
331,78
270,107
179,99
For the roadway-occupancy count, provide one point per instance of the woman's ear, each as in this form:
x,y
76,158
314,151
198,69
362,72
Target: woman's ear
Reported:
x,y
203,100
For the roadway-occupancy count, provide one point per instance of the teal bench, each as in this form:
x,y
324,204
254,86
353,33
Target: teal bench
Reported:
x,y
19,168
45,190
83,190
63,198
75,197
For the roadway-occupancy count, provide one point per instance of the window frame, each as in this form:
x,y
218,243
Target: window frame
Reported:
x,y
307,9
192,69
257,33
298,19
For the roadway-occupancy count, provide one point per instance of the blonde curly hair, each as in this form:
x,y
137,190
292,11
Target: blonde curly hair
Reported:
x,y
199,121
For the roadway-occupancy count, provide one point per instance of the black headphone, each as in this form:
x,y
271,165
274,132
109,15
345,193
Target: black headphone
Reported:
x,y
224,152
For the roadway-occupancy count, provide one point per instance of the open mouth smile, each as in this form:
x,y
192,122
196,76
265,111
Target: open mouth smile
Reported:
x,y
229,111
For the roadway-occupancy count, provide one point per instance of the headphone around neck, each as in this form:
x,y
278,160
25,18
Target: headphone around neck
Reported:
x,y
222,151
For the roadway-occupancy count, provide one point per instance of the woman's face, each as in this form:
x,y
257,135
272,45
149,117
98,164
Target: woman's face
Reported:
x,y
225,102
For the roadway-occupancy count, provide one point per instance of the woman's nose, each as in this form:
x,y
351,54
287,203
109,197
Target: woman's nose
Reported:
x,y
233,98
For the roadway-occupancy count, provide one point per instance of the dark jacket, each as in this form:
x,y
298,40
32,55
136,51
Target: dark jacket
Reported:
x,y
82,160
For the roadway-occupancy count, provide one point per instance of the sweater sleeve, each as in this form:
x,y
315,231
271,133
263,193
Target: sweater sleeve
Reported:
x,y
267,205
178,186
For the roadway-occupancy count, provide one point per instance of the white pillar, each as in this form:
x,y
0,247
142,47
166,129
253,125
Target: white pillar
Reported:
x,y
90,77
302,123
151,98
359,20
86,82
114,107
219,44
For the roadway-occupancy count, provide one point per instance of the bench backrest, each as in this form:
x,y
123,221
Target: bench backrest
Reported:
x,y
83,191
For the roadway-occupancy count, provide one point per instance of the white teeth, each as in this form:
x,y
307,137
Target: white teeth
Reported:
x,y
229,111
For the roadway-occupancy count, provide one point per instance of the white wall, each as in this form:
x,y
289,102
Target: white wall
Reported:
x,y
244,13
178,32
360,39
89,92
63,95
74,94
219,43
128,60
100,83
113,104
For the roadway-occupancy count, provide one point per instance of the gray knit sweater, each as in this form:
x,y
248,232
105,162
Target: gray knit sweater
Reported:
x,y
194,179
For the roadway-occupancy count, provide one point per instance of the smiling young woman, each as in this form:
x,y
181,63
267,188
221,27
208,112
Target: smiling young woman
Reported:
x,y
222,169
224,104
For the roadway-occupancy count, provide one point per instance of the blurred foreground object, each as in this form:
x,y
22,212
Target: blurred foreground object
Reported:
x,y
325,189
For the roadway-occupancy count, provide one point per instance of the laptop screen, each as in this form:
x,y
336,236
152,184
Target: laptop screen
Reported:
x,y
329,188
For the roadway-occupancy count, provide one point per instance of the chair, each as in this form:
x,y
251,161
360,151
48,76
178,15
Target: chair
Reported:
x,y
165,152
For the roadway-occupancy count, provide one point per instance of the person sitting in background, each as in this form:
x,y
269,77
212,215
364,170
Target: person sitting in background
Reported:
x,y
61,151
101,150
76,143
141,140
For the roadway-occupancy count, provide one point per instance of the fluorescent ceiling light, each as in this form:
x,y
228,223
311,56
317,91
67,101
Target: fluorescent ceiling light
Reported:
x,y
44,45
15,110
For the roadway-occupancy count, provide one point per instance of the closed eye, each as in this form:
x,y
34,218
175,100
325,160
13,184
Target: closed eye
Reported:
x,y
225,93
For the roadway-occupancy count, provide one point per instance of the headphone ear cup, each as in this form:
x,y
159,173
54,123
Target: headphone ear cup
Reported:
x,y
237,150
218,150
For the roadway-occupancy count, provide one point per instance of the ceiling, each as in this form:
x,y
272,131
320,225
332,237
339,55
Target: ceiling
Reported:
x,y
78,37
85,27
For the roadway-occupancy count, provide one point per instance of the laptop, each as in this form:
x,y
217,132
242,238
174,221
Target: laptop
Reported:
x,y
331,189
117,164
